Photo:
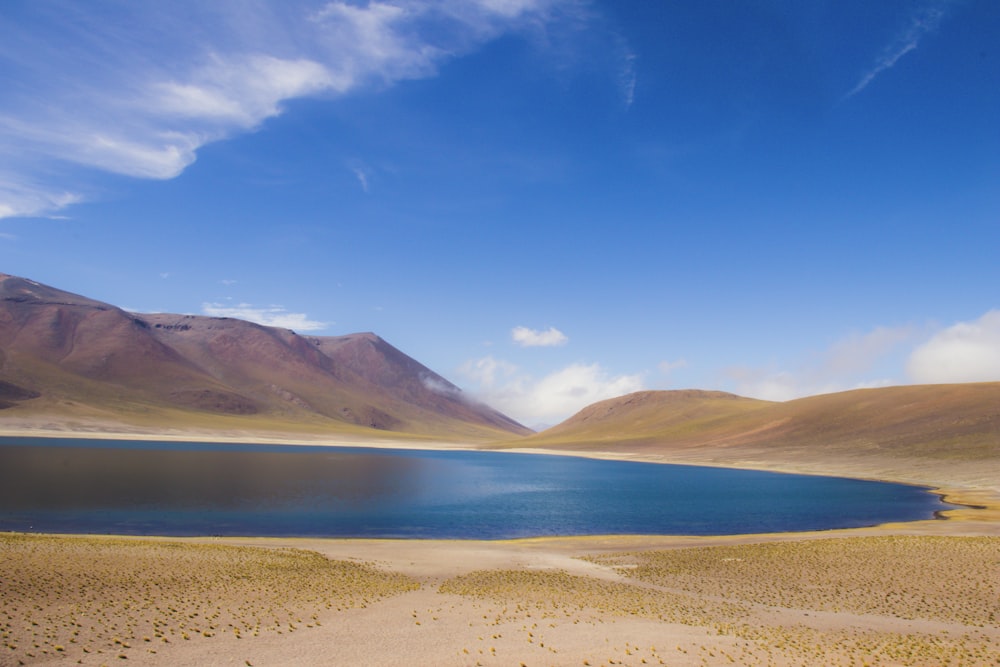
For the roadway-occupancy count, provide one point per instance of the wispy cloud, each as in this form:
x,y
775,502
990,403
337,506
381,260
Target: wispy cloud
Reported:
x,y
362,177
857,353
856,361
627,76
526,337
20,195
271,316
138,88
545,401
923,21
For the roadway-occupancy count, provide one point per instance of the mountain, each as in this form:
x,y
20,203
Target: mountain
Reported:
x,y
64,356
901,432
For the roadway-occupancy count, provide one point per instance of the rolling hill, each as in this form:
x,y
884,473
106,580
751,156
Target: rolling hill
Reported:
x,y
915,432
64,356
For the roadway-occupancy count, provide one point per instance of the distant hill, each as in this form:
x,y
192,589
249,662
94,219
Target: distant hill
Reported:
x,y
900,432
673,415
64,356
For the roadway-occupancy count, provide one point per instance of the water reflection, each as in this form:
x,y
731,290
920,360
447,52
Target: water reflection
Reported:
x,y
52,478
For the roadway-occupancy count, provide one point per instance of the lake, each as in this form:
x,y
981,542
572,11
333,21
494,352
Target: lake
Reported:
x,y
170,488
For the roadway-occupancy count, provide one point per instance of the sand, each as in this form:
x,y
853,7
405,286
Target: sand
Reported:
x,y
919,593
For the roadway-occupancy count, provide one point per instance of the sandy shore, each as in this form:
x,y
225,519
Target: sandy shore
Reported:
x,y
922,593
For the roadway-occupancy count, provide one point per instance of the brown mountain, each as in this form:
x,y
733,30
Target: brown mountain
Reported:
x,y
896,432
66,356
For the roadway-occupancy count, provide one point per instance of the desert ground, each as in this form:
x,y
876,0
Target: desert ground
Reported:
x,y
919,593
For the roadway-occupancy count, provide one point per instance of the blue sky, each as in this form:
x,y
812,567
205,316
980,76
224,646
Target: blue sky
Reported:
x,y
549,202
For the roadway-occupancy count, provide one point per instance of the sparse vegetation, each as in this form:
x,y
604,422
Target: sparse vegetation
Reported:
x,y
819,601
949,579
83,595
886,600
556,594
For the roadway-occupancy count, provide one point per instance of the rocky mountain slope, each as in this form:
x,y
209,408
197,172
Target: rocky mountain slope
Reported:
x,y
62,354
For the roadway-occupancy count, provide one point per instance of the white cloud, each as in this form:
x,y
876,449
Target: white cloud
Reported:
x,y
548,400
138,88
924,21
271,316
526,337
964,352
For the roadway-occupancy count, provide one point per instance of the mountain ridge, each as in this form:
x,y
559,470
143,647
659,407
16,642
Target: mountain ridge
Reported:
x,y
61,351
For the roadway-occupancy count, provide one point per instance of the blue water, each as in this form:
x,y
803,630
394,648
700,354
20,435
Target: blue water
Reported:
x,y
164,488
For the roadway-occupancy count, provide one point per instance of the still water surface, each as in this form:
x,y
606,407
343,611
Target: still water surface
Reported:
x,y
166,488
